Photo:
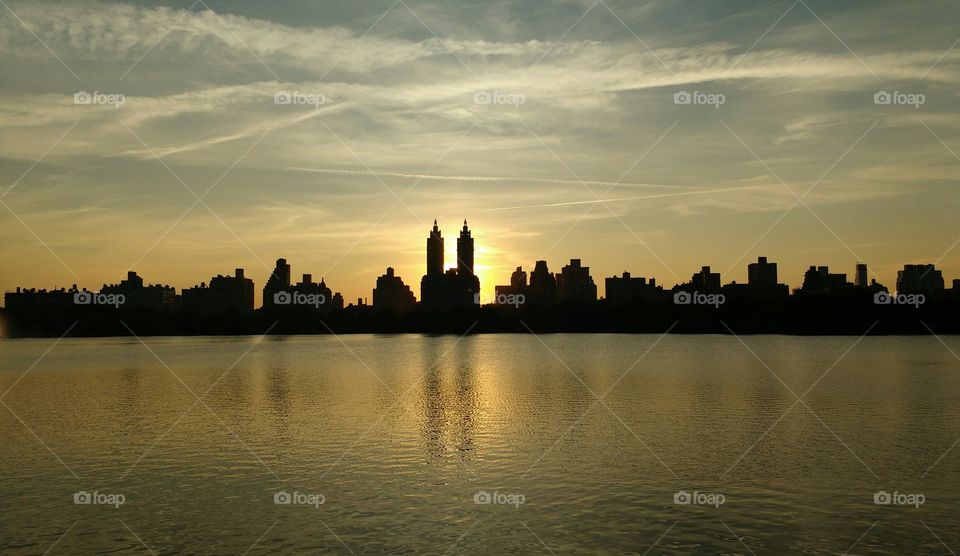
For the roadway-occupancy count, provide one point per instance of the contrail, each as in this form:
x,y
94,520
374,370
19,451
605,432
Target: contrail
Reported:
x,y
475,178
659,196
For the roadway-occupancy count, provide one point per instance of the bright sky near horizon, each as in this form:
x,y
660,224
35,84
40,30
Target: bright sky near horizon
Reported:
x,y
184,139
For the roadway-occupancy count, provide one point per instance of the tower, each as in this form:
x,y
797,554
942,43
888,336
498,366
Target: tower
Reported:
x,y
465,252
861,279
435,251
454,289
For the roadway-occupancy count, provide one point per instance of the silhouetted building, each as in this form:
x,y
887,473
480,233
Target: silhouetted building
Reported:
x,y
575,283
435,251
819,280
392,294
279,281
465,252
862,283
457,288
762,285
27,301
129,293
861,277
920,278
156,297
225,294
518,286
307,294
626,288
518,278
546,289
762,274
543,286
705,281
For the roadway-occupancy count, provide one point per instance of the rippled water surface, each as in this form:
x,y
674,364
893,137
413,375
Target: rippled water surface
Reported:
x,y
582,442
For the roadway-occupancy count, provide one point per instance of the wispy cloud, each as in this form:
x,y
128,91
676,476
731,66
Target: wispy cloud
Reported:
x,y
398,102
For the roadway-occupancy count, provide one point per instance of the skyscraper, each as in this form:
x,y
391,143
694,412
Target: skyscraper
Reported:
x,y
456,288
465,252
435,251
861,279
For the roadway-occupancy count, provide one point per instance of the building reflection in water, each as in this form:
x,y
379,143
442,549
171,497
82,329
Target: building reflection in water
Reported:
x,y
448,399
276,366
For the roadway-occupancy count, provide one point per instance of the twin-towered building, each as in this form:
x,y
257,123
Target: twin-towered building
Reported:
x,y
454,288
441,290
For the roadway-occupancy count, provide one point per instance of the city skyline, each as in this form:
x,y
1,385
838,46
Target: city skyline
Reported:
x,y
761,272
331,136
480,276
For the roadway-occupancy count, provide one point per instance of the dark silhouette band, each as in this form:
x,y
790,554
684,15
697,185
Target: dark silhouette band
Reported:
x,y
451,301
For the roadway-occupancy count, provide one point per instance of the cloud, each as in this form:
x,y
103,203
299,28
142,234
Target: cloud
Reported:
x,y
399,106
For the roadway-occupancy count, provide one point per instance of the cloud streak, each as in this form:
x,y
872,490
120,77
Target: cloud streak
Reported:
x,y
399,105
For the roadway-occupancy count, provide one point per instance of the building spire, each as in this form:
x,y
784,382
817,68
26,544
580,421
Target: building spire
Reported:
x,y
465,251
435,251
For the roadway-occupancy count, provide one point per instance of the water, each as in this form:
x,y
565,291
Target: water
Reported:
x,y
399,434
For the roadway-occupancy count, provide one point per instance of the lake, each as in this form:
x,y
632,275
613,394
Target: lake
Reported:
x,y
485,444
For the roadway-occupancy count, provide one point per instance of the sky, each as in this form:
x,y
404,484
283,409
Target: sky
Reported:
x,y
185,139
